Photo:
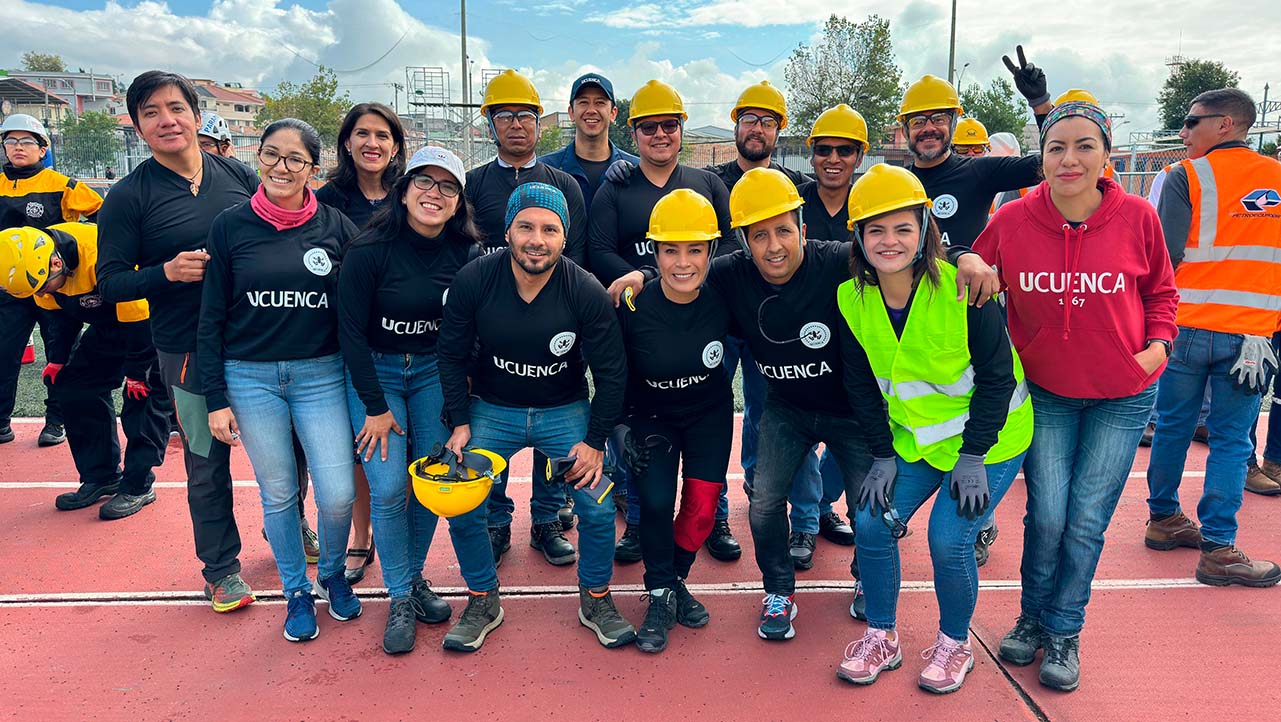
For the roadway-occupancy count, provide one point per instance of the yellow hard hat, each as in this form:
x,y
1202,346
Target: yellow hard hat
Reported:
x,y
929,93
1079,96
763,96
24,260
882,189
449,488
656,98
969,131
510,88
760,194
683,216
840,122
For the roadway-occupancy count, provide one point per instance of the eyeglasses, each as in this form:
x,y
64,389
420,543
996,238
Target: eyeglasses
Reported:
x,y
975,150
293,164
507,117
751,120
25,143
210,146
447,188
1188,122
917,122
822,150
650,127
895,523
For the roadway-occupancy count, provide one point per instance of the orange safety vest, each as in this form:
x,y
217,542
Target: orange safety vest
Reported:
x,y
1230,276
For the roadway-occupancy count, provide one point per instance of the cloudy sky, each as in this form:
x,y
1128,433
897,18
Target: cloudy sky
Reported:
x,y
708,49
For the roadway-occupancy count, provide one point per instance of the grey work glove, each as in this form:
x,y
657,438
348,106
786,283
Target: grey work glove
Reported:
x,y
1255,364
1029,79
620,171
969,486
877,488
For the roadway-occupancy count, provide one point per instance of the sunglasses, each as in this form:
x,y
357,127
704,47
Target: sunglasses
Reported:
x,y
823,150
650,127
1191,121
447,188
895,523
975,150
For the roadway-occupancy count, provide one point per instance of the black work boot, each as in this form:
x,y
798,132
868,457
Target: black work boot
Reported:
x,y
659,618
550,540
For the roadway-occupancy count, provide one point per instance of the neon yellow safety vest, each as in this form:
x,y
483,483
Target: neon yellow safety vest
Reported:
x,y
926,376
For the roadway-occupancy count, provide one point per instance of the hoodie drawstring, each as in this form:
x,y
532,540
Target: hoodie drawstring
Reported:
x,y
1071,273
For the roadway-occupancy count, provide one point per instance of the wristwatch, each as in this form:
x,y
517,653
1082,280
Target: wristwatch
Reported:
x,y
1161,341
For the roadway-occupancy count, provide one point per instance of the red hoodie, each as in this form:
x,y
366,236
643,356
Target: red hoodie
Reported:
x,y
1082,301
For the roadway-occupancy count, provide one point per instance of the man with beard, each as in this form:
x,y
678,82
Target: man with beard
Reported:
x,y
590,153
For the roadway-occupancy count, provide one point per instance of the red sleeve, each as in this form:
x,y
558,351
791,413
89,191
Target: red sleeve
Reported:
x,y
1157,289
988,244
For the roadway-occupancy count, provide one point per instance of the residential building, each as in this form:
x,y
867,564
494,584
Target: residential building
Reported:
x,y
82,91
237,105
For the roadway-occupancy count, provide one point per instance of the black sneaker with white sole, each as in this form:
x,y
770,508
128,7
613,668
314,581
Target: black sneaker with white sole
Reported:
x,y
483,614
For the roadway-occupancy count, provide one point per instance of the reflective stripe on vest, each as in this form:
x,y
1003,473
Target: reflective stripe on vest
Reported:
x,y
1208,228
935,433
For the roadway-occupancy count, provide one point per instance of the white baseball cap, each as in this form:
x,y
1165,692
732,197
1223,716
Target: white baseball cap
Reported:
x,y
433,155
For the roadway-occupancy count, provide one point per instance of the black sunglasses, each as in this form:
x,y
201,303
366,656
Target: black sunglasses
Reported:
x,y
822,150
1191,121
650,127
895,523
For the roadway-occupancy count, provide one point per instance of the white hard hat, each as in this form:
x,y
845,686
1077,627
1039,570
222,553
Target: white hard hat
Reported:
x,y
433,155
1005,144
215,127
25,123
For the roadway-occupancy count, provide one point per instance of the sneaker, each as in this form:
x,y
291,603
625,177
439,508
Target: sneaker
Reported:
x,y
659,618
1019,645
565,515
689,611
122,505
1148,432
87,495
950,661
310,543
597,612
1061,668
550,540
777,613
402,631
858,607
721,544
229,593
983,544
866,658
628,548
300,617
429,608
835,529
52,435
500,540
483,614
1176,530
343,604
800,545
6,433
1259,483
1229,565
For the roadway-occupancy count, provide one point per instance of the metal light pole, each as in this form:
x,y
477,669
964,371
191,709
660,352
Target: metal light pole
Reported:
x,y
1263,114
951,48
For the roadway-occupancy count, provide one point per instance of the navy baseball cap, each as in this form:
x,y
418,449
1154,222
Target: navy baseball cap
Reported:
x,y
596,79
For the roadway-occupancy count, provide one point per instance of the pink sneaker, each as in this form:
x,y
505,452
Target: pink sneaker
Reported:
x,y
950,661
869,656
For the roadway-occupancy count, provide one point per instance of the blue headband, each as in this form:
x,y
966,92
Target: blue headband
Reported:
x,y
537,195
1077,109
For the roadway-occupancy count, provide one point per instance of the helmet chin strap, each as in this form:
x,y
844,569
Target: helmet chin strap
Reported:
x,y
741,232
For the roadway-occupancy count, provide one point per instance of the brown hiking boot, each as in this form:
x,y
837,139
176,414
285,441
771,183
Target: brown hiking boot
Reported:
x,y
1272,470
1229,565
1259,483
1176,530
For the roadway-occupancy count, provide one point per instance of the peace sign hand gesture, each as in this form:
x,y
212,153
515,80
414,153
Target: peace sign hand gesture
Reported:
x,y
1029,79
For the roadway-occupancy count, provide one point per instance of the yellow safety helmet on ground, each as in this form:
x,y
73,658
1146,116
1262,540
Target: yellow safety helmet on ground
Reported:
x,y
1079,96
840,122
760,194
655,98
683,216
969,131
510,88
929,93
882,189
449,488
24,260
763,96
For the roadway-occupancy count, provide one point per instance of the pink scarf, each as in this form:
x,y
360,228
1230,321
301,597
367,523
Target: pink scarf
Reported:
x,y
280,218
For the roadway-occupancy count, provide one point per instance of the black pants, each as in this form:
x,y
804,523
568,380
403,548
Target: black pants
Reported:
x,y
83,390
208,463
18,316
700,446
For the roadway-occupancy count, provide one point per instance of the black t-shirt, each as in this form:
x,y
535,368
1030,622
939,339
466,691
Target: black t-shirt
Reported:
x,y
730,172
391,296
490,185
148,218
620,219
531,355
963,190
675,353
594,170
351,202
269,295
818,224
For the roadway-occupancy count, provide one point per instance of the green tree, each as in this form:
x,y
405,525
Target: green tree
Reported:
x,y
34,62
550,140
1190,80
1269,149
317,101
619,133
853,64
90,144
996,107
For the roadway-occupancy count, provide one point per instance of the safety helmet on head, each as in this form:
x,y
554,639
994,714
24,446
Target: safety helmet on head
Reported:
x,y
840,122
25,123
969,131
449,487
929,93
760,194
656,98
1005,145
1079,96
24,260
763,96
510,88
683,216
883,189
215,127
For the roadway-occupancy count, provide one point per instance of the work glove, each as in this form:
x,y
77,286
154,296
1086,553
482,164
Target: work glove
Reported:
x,y
877,488
969,486
631,455
1255,364
136,390
50,374
1029,79
620,171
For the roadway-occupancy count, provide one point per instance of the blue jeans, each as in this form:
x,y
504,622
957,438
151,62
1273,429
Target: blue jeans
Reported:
x,y
1272,449
1200,355
403,528
1200,417
1076,468
554,430
810,500
271,401
951,537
